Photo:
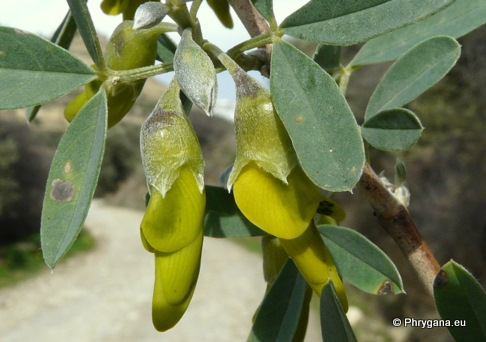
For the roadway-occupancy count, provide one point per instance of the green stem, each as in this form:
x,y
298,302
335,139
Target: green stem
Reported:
x,y
164,28
367,151
212,49
194,8
180,14
126,76
252,43
344,79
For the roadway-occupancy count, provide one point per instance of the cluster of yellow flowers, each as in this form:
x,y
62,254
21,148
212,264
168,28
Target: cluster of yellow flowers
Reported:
x,y
269,186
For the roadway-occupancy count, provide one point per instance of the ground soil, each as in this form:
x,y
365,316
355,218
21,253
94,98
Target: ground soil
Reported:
x,y
105,294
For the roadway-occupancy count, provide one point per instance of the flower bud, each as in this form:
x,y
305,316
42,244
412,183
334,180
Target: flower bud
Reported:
x,y
126,49
149,14
400,172
195,73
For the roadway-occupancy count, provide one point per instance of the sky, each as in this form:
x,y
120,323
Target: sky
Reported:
x,y
43,17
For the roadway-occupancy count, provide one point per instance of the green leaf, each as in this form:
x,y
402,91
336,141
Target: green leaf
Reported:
x,y
392,130
413,73
63,36
361,262
318,119
459,296
334,323
265,7
461,17
280,312
223,218
72,179
328,56
80,12
337,22
165,48
34,70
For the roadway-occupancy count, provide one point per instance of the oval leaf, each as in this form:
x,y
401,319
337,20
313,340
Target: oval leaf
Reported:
x,y
80,12
337,22
223,218
318,119
281,310
459,296
461,17
34,70
62,37
72,179
265,7
361,262
414,73
334,322
392,130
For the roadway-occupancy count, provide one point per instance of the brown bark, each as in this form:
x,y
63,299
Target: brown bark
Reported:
x,y
395,219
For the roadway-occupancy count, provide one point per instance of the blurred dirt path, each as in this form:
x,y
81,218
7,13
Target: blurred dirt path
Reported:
x,y
105,294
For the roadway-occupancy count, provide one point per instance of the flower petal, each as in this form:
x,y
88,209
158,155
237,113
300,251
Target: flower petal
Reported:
x,y
279,209
173,222
314,262
145,244
165,315
178,271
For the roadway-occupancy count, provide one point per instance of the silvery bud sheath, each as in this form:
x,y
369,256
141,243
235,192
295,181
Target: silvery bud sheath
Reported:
x,y
172,227
195,73
270,187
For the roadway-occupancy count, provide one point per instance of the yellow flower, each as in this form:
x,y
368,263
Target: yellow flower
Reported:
x,y
172,227
270,187
314,261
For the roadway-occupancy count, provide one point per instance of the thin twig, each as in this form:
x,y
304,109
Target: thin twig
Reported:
x,y
395,219
255,24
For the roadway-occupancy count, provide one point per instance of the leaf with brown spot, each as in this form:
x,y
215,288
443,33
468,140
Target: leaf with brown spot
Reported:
x,y
72,179
459,296
62,191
